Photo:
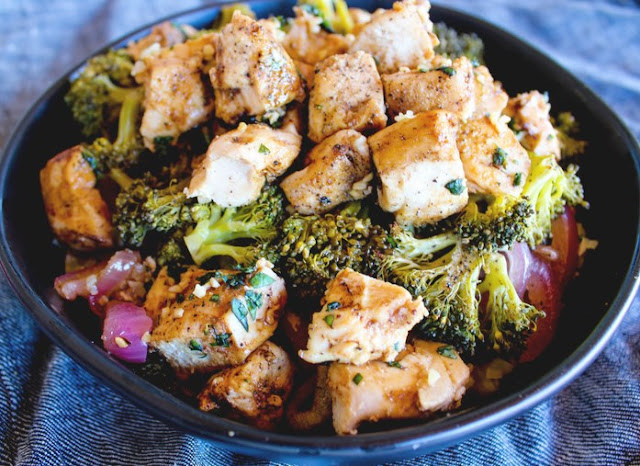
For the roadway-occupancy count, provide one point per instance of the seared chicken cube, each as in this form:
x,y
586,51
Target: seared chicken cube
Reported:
x,y
218,317
163,35
448,88
359,17
401,36
253,392
307,42
530,114
490,99
237,163
176,97
419,166
78,215
427,377
339,171
253,72
347,93
494,161
362,319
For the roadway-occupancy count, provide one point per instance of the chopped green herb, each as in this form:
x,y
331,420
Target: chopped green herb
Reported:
x,y
263,149
318,106
499,157
395,364
191,296
214,298
180,298
239,310
254,302
195,345
222,339
447,351
261,279
357,378
324,200
447,70
206,277
517,179
245,268
455,187
329,318
332,306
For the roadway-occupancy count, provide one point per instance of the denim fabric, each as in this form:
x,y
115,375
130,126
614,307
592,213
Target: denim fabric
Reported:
x,y
53,412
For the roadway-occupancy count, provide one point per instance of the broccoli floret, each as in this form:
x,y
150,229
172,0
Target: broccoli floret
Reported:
x,y
548,189
566,126
496,225
173,254
454,44
314,248
126,150
506,321
98,93
218,233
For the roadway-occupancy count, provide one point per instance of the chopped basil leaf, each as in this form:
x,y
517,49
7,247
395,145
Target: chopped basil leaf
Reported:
x,y
447,70
517,179
195,345
261,279
221,340
447,351
239,310
263,149
214,298
455,187
499,157
329,319
254,302
395,364
357,378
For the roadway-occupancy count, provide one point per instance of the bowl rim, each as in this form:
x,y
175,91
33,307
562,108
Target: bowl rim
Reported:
x,y
409,440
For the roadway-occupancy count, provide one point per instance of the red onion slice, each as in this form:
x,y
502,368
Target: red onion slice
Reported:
x,y
125,325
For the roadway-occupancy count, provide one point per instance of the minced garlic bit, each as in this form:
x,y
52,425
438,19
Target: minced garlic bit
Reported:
x,y
178,313
214,283
199,291
362,188
433,377
404,116
121,342
153,49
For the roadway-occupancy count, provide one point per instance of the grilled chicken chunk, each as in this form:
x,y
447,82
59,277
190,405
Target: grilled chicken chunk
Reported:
x,y
78,215
448,88
494,161
490,99
420,168
307,42
362,319
237,163
360,17
163,35
176,97
218,318
347,93
339,170
530,113
398,37
420,382
255,391
253,72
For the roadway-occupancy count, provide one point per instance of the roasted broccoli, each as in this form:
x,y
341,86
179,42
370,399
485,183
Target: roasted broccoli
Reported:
x,y
454,44
99,91
222,231
566,127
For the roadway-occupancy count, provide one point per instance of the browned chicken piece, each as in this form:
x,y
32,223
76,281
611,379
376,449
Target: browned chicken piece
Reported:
x,y
493,159
253,72
401,36
238,163
339,171
307,42
530,114
295,118
165,35
448,88
159,295
346,94
255,391
490,98
362,319
421,174
307,71
176,97
360,17
78,215
214,323
422,381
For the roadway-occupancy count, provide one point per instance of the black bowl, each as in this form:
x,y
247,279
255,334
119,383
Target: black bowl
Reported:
x,y
595,302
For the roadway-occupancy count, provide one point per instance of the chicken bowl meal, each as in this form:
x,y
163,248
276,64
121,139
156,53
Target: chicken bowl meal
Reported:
x,y
315,223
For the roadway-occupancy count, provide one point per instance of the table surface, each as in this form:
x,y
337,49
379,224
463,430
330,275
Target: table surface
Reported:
x,y
53,412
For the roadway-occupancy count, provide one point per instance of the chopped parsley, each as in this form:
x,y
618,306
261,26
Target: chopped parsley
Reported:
x,y
214,298
447,70
329,319
261,279
264,149
447,351
222,339
357,378
332,306
191,296
517,179
499,157
239,309
455,187
194,345
395,364
254,302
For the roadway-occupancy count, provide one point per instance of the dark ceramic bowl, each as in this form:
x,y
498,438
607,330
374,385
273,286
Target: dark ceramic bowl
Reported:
x,y
595,302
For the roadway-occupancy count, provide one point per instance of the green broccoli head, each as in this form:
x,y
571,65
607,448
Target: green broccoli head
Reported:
x,y
548,189
454,44
99,91
503,221
221,231
566,127
507,321
314,248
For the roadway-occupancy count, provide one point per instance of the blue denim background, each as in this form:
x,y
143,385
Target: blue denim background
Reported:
x,y
53,412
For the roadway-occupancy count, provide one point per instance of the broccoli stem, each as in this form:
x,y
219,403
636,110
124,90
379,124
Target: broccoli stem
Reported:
x,y
128,119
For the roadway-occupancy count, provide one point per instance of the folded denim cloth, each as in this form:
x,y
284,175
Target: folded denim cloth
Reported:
x,y
53,412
